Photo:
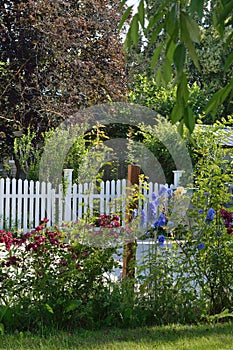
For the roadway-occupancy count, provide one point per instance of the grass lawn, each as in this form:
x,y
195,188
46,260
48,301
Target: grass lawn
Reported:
x,y
204,337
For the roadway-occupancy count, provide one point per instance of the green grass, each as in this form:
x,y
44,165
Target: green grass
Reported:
x,y
204,337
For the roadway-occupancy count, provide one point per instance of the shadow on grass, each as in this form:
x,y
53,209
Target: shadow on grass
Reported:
x,y
138,338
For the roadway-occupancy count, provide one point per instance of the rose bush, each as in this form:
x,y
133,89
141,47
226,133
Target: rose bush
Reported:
x,y
47,279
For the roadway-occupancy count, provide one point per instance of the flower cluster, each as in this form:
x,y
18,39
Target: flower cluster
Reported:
x,y
210,215
108,221
7,238
228,220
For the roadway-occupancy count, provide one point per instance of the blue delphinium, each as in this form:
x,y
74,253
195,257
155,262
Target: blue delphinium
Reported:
x,y
201,246
161,239
163,191
154,198
210,215
152,211
143,218
170,193
161,221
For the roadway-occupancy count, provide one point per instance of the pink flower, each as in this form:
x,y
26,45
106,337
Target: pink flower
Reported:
x,y
39,228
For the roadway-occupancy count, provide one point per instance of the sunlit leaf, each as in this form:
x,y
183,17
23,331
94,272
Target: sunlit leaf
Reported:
x,y
49,309
218,98
135,28
192,27
141,13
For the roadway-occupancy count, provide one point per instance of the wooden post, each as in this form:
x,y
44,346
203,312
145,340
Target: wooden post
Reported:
x,y
129,257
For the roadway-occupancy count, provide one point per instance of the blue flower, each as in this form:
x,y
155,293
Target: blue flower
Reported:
x,y
210,215
161,239
135,213
161,221
200,211
201,246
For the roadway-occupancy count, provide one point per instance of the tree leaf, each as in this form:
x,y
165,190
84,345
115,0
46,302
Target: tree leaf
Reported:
x,y
125,17
218,98
135,28
189,119
223,11
185,37
228,61
192,27
167,71
170,48
197,6
154,20
141,13
179,58
122,4
155,34
171,22
182,88
177,112
156,55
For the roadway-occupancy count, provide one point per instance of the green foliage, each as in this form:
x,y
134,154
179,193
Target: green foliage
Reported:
x,y
56,278
47,281
176,28
28,154
193,277
146,92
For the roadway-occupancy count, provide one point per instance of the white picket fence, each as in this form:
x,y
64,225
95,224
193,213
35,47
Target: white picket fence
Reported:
x,y
24,203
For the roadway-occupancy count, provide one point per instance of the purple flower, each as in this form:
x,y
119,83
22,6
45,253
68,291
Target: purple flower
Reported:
x,y
143,218
161,239
163,191
170,193
201,246
161,221
135,213
155,198
210,215
152,211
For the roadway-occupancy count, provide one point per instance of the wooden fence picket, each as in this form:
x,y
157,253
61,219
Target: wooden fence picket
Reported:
x,y
23,204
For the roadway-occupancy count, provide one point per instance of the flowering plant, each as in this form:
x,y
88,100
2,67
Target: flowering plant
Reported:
x,y
45,277
108,221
